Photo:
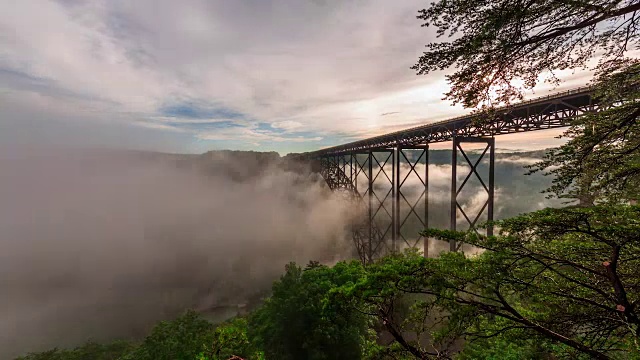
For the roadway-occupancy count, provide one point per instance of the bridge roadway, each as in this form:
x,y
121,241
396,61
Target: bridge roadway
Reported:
x,y
541,113
375,170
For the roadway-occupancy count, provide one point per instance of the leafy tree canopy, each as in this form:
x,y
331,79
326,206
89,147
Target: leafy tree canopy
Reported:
x,y
88,351
181,339
297,322
567,275
601,160
501,47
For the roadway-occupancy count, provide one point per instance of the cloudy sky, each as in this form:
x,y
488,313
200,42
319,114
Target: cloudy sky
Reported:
x,y
196,75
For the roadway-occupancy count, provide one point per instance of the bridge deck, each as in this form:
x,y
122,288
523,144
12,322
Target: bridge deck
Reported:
x,y
542,113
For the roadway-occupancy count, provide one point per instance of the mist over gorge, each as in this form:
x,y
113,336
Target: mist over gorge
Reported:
x,y
101,244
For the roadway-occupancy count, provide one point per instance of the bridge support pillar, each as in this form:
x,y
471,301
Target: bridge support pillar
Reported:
x,y
391,187
370,209
381,194
488,185
411,196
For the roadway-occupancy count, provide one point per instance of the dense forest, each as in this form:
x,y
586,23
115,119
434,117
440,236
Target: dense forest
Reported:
x,y
556,283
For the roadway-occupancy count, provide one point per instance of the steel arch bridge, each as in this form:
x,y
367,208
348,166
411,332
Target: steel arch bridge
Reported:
x,y
375,170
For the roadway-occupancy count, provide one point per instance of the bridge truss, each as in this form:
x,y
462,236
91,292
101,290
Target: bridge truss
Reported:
x,y
376,170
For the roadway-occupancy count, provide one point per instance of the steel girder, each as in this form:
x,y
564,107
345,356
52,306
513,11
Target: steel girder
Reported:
x,y
487,184
412,202
392,210
539,114
383,164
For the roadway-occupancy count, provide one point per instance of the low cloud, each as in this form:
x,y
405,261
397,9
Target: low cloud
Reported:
x,y
254,134
103,244
286,125
515,193
514,159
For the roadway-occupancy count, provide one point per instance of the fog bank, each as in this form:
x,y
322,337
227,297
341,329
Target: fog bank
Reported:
x,y
102,244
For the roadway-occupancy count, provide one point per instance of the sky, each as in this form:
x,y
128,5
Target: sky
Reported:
x,y
198,75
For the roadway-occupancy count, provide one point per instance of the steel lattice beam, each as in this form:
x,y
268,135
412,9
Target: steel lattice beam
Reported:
x,y
456,207
343,167
404,200
539,114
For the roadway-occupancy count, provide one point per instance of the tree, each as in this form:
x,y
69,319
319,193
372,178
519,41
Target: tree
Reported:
x,y
557,283
88,351
601,160
181,339
501,47
298,322
231,339
567,275
188,337
508,347
564,276
380,293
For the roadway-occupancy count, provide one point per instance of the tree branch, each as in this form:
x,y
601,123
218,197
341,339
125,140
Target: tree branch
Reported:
x,y
554,33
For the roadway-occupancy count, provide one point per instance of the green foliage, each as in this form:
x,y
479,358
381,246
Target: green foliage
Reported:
x,y
300,321
231,339
601,160
184,338
569,275
511,348
555,284
89,351
561,280
404,315
188,337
